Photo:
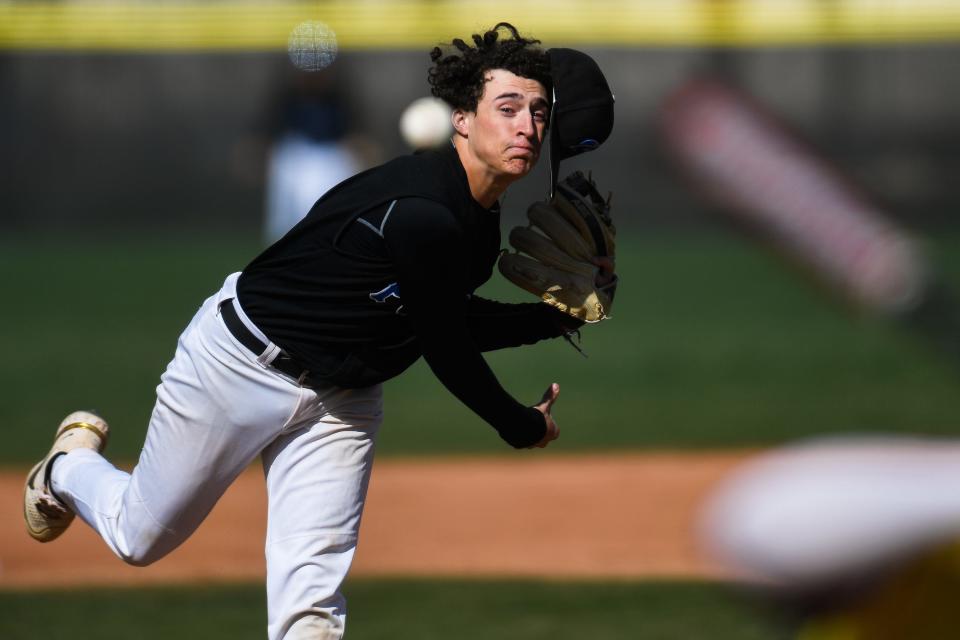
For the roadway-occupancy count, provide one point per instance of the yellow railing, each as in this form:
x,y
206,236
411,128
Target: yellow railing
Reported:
x,y
401,24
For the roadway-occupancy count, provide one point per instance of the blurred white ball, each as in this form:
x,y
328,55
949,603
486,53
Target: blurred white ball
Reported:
x,y
830,510
312,45
426,123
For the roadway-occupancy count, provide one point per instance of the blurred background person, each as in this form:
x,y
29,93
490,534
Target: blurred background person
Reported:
x,y
311,150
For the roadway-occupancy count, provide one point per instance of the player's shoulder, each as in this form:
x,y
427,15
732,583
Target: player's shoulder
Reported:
x,y
422,215
423,229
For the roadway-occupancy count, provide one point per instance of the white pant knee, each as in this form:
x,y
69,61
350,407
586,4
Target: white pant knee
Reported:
x,y
143,551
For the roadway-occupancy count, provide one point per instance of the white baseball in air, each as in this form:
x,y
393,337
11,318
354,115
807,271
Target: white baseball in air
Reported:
x,y
312,45
426,123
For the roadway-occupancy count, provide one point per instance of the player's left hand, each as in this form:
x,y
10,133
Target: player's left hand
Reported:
x,y
566,254
546,403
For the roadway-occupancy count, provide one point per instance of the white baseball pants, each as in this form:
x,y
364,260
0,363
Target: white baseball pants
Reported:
x,y
217,409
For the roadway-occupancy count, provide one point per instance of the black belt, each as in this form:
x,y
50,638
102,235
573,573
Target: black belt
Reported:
x,y
283,362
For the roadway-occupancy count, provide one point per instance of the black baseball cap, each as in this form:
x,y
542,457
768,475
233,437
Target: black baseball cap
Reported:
x,y
582,115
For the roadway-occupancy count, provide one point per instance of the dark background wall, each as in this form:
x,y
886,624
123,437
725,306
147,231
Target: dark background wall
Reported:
x,y
122,141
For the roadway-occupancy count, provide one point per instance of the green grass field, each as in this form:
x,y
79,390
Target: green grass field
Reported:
x,y
713,344
401,609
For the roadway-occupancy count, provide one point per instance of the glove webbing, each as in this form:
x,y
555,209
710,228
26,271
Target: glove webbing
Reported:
x,y
574,198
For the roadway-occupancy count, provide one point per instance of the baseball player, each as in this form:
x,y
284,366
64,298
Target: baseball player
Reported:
x,y
286,360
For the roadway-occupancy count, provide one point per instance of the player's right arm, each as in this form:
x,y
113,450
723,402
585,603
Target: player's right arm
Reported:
x,y
501,325
431,257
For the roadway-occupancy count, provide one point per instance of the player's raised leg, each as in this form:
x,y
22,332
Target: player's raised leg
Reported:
x,y
216,409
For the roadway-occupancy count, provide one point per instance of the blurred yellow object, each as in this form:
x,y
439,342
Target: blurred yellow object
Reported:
x,y
400,24
920,601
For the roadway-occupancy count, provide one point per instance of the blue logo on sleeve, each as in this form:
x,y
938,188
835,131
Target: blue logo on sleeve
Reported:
x,y
392,290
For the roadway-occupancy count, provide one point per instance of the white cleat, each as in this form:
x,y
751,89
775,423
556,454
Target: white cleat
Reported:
x,y
46,516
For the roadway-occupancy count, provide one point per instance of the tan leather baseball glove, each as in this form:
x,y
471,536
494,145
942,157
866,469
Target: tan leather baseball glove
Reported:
x,y
566,241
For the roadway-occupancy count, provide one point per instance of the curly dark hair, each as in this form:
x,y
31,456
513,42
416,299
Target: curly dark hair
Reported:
x,y
458,77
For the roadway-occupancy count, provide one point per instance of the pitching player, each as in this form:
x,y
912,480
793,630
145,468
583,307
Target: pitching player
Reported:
x,y
286,360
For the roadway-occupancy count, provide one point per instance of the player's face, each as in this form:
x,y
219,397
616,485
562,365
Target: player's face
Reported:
x,y
506,131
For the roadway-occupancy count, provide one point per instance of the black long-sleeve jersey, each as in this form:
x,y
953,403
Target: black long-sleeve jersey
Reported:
x,y
383,270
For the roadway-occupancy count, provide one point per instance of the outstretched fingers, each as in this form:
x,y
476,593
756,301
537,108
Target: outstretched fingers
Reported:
x,y
550,396
546,404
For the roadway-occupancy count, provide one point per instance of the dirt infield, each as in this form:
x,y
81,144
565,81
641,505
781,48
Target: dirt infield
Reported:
x,y
580,517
